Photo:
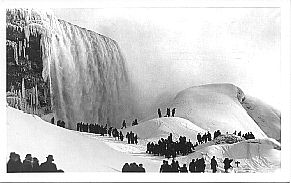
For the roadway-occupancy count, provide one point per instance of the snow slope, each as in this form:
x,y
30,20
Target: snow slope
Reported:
x,y
72,151
83,152
268,118
216,106
157,128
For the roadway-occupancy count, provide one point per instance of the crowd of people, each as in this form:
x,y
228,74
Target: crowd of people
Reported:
x,y
30,164
131,138
195,166
169,148
204,138
133,167
168,113
248,136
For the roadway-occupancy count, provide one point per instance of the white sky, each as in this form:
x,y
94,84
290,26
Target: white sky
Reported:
x,y
170,49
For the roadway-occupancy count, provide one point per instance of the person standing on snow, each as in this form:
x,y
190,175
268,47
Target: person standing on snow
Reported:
x,y
214,165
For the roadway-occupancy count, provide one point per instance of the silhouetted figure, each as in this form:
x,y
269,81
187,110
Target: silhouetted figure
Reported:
x,y
213,164
125,168
165,167
168,112
183,169
48,166
27,164
123,124
134,122
14,164
121,136
135,139
192,166
239,133
141,168
159,113
53,120
128,137
199,138
227,164
173,112
175,166
35,165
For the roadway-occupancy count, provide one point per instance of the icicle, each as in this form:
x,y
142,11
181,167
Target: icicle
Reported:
x,y
19,48
24,47
23,88
26,33
36,95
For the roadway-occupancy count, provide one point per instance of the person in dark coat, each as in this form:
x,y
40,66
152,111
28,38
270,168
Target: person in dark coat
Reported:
x,y
53,120
123,124
213,164
227,165
168,112
165,167
125,167
141,168
173,112
35,165
159,113
14,164
183,169
121,136
48,166
135,139
27,164
192,166
128,137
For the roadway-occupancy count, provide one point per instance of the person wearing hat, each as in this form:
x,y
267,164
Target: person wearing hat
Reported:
x,y
48,166
27,164
35,165
13,164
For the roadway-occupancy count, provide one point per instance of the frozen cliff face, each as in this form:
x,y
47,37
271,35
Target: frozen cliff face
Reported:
x,y
86,70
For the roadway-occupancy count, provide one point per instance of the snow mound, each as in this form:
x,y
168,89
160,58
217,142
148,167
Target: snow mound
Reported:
x,y
157,128
216,106
268,118
73,151
227,139
251,155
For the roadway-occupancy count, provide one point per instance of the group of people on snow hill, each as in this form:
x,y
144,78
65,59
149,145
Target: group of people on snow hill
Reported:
x,y
92,128
204,138
169,148
168,114
60,123
173,167
134,122
30,165
216,134
131,138
248,135
195,166
133,167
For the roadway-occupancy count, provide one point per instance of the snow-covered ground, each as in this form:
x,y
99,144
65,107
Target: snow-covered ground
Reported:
x,y
83,152
224,107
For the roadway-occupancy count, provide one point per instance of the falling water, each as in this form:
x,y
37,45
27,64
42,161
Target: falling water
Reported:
x,y
86,70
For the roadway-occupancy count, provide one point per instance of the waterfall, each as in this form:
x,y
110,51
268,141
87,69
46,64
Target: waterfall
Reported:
x,y
87,72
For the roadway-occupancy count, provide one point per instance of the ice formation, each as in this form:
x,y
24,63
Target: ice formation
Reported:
x,y
86,71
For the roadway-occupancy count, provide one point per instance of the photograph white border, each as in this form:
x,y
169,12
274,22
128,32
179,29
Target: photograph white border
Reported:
x,y
283,175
